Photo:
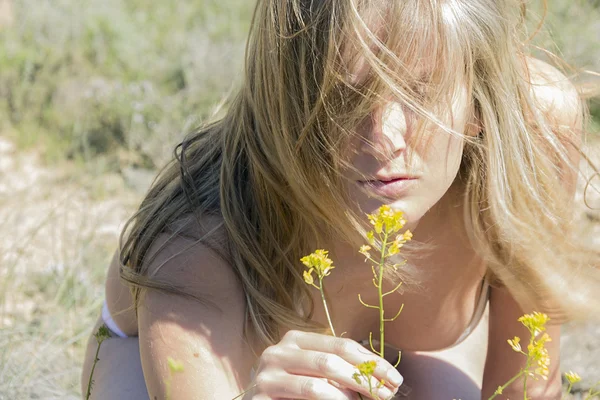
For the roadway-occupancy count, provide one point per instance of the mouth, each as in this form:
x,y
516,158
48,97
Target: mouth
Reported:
x,y
389,187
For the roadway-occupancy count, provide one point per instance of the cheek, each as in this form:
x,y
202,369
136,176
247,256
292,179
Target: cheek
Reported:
x,y
445,147
444,155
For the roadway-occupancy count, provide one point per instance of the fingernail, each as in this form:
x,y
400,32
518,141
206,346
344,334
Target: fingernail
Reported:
x,y
395,378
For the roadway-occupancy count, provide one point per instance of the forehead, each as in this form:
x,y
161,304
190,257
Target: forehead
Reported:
x,y
415,42
359,70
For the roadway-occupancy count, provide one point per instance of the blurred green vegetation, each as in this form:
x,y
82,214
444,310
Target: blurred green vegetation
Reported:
x,y
571,31
123,79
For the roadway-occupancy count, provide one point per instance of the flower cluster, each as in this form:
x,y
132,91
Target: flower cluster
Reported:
x,y
539,354
572,377
386,220
538,359
366,368
365,372
320,263
536,352
535,323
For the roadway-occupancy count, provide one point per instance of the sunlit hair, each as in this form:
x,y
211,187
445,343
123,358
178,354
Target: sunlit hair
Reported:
x,y
272,168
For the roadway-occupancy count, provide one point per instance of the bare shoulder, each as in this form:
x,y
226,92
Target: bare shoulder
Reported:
x,y
190,256
556,95
203,329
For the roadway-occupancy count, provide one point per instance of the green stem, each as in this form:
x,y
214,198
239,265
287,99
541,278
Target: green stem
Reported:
x,y
96,359
379,289
569,388
591,392
322,290
591,395
531,340
514,378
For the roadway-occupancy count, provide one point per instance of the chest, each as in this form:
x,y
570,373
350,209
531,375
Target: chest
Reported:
x,y
435,313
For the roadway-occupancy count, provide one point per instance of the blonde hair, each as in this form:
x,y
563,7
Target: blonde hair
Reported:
x,y
272,167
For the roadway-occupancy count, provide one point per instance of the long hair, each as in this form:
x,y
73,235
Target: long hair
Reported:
x,y
272,169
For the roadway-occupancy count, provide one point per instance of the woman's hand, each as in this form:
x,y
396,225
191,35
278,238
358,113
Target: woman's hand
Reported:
x,y
315,366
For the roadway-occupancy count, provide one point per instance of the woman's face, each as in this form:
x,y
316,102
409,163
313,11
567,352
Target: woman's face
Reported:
x,y
387,137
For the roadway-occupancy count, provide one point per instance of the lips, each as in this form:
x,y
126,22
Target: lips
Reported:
x,y
389,186
388,178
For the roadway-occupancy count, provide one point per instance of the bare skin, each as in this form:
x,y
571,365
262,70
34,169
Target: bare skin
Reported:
x,y
432,320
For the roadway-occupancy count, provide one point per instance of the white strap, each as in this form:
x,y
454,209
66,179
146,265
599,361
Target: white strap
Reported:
x,y
108,321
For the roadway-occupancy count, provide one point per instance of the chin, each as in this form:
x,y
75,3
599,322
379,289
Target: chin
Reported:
x,y
412,208
413,211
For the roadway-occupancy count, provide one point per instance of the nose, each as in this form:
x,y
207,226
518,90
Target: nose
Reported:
x,y
386,132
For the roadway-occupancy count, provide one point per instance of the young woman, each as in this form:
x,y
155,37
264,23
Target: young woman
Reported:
x,y
434,108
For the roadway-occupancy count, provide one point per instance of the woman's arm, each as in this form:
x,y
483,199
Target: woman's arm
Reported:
x,y
502,363
560,102
205,337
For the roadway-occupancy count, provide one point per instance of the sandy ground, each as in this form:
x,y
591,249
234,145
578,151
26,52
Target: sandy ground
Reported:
x,y
57,221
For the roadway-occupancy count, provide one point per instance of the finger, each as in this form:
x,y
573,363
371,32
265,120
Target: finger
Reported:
x,y
352,394
285,386
266,397
347,349
332,367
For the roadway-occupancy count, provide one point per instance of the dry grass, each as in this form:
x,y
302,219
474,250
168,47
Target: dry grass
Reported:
x,y
58,236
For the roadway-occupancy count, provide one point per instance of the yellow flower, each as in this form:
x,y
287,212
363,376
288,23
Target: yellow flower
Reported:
x,y
385,218
394,248
371,237
539,355
407,235
499,390
364,250
572,377
545,338
308,278
367,368
319,262
536,322
515,344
